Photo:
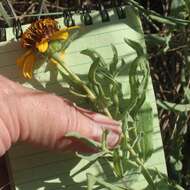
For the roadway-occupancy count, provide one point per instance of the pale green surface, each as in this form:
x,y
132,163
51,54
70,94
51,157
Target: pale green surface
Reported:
x,y
39,169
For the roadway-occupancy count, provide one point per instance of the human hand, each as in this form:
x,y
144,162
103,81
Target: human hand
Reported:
x,y
41,118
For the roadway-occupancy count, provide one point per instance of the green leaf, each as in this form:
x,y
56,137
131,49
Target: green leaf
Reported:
x,y
155,40
136,46
102,101
124,66
133,82
92,71
157,17
162,19
187,3
142,88
117,163
178,9
145,127
115,60
92,180
187,93
178,166
94,55
173,106
138,86
91,157
87,141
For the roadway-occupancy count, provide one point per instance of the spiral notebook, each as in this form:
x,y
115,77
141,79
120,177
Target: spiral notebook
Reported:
x,y
38,169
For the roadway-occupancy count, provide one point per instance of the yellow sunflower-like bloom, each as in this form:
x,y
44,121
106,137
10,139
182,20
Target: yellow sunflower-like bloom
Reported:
x,y
37,38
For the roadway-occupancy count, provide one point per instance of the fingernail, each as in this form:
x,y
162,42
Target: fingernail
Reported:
x,y
113,139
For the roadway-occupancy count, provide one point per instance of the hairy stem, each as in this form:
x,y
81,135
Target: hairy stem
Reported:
x,y
63,68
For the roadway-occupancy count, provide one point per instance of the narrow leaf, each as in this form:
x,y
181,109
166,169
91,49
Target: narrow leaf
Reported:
x,y
91,157
117,162
94,55
187,2
159,18
87,141
173,106
92,71
136,46
145,128
179,9
115,60
92,180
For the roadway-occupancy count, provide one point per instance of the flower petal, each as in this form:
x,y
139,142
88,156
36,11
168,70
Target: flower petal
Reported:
x,y
28,72
42,46
28,65
20,60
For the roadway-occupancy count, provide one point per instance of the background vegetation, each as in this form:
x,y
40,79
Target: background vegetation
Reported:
x,y
170,70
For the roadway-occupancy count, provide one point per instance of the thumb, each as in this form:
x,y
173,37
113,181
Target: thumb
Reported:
x,y
44,119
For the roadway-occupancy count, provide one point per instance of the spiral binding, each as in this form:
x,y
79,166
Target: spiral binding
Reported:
x,y
120,8
17,28
84,9
68,18
86,17
2,32
103,12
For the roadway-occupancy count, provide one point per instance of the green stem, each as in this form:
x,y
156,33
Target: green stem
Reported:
x,y
77,94
135,136
107,112
78,81
145,172
73,76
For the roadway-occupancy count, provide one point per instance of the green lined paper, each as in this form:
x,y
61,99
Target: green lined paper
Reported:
x,y
34,168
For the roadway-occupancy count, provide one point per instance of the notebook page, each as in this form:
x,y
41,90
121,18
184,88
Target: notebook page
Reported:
x,y
35,168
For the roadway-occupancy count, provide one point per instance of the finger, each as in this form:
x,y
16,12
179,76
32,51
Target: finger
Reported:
x,y
5,139
104,121
92,125
44,119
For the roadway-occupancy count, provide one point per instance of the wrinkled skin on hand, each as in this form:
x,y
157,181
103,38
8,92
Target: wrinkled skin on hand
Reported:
x,y
44,119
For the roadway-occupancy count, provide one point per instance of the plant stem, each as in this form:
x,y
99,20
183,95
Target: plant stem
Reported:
x,y
73,76
145,172
106,111
78,81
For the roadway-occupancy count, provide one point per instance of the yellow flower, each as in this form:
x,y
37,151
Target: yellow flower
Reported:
x,y
37,38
